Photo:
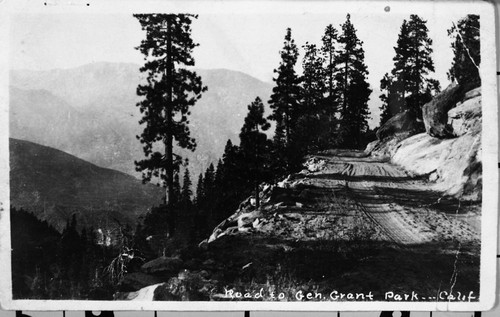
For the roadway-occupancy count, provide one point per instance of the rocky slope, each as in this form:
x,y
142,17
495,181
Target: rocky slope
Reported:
x,y
452,164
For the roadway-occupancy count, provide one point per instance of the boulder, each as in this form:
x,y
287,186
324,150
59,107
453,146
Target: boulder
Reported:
x,y
402,123
472,93
466,117
137,280
163,265
435,112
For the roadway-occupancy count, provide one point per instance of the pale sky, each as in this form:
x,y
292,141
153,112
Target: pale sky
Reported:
x,y
245,42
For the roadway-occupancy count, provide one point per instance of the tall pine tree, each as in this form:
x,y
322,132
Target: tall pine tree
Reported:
x,y
410,86
467,51
253,145
186,192
313,122
168,94
419,65
285,103
330,40
353,90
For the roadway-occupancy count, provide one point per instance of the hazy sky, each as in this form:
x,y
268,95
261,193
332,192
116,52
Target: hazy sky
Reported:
x,y
246,42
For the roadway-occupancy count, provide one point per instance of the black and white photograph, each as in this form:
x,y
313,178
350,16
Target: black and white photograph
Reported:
x,y
219,155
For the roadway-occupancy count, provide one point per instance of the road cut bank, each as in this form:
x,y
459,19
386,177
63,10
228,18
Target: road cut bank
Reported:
x,y
335,295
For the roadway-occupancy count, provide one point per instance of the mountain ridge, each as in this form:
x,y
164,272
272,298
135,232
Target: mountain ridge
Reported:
x,y
104,94
54,185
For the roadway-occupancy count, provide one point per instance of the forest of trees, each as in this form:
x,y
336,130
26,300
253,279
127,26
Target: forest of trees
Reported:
x,y
59,265
325,107
409,85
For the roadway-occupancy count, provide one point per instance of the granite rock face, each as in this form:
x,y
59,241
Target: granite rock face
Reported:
x,y
402,123
466,117
435,112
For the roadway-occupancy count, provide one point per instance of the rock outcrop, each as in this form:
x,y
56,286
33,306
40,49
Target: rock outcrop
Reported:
x,y
435,112
450,153
466,116
403,123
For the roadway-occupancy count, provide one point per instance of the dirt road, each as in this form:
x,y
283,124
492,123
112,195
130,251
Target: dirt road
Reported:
x,y
401,207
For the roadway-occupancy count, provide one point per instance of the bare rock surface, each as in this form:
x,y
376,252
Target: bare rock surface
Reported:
x,y
402,123
455,165
466,117
435,112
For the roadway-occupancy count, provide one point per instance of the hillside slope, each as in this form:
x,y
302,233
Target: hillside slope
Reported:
x,y
54,185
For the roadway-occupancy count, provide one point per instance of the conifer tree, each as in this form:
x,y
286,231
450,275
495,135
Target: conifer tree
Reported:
x,y
187,192
208,180
285,101
168,94
330,39
313,123
467,51
219,175
418,65
253,145
353,90
392,100
410,86
200,219
200,194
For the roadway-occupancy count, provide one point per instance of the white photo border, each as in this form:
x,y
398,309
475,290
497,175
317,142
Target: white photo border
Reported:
x,y
489,218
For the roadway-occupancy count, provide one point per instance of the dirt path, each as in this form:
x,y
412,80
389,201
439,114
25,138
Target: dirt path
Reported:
x,y
348,196
403,207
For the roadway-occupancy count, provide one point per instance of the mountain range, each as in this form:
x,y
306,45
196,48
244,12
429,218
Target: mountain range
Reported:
x,y
90,112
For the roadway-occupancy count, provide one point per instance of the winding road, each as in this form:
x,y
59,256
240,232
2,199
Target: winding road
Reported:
x,y
404,208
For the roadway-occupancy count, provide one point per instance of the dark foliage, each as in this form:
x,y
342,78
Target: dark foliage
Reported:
x,y
254,147
353,90
467,50
286,108
47,264
409,85
169,93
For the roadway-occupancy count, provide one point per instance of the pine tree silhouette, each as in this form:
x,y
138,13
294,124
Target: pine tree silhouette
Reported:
x,y
254,146
409,86
467,51
169,93
353,90
285,104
